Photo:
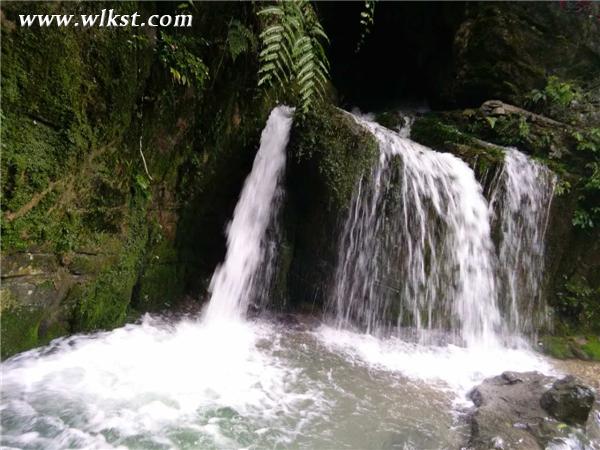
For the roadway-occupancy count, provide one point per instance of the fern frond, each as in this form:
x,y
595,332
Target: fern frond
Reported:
x,y
292,52
274,10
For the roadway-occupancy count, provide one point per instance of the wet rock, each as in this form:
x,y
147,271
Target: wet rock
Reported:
x,y
528,411
296,322
569,401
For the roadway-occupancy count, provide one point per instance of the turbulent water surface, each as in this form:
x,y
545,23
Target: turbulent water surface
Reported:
x,y
156,385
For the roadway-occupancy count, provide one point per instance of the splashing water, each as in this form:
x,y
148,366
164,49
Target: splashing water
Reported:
x,y
232,283
232,385
156,386
417,247
521,201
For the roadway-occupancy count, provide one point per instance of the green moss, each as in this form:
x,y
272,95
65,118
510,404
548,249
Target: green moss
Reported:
x,y
83,264
577,305
103,303
592,347
429,130
161,283
76,103
328,154
442,134
335,149
571,346
390,119
557,347
25,326
19,330
66,95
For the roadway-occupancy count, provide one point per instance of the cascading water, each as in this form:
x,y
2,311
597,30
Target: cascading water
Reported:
x,y
233,282
152,385
521,202
417,247
222,382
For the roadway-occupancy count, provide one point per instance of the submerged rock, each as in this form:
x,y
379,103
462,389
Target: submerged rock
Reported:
x,y
529,411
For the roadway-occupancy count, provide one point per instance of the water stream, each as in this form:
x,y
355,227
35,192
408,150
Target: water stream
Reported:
x,y
233,283
521,201
416,249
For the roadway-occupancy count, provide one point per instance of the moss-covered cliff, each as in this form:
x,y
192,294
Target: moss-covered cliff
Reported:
x,y
117,180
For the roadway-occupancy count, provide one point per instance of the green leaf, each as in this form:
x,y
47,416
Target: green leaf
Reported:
x,y
275,10
492,121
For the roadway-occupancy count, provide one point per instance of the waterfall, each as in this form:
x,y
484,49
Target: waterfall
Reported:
x,y
416,248
233,284
521,203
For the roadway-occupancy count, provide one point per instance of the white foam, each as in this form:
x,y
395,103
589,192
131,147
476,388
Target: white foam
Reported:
x,y
141,380
451,367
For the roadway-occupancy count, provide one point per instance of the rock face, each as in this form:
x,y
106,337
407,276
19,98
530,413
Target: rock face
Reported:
x,y
504,50
529,411
569,401
115,186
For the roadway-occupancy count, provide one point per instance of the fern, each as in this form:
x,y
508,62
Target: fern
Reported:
x,y
240,39
292,51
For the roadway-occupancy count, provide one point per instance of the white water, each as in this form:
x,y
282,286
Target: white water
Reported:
x,y
238,384
521,202
417,246
451,368
155,386
232,282
142,386
192,385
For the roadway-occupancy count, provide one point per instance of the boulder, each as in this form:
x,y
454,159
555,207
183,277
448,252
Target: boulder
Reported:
x,y
569,401
528,411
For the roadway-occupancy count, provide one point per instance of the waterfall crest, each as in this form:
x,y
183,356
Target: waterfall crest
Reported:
x,y
521,204
417,247
232,284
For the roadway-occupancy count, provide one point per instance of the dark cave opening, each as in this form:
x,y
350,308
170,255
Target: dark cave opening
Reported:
x,y
406,60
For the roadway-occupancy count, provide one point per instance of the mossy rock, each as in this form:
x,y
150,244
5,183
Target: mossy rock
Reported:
x,y
103,303
161,283
335,150
329,152
26,326
557,347
19,330
568,347
503,50
446,132
78,107
592,347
